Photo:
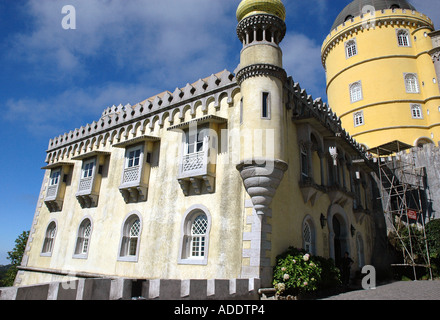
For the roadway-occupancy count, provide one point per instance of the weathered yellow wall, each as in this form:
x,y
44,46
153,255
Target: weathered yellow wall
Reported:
x,y
380,65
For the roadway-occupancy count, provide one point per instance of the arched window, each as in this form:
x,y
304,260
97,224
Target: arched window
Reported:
x,y
403,38
198,236
416,111
356,91
358,119
49,239
308,233
130,240
360,251
411,83
350,48
83,239
304,162
195,240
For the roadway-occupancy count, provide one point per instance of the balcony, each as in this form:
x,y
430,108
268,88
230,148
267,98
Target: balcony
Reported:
x,y
58,179
141,153
89,183
132,188
194,171
197,165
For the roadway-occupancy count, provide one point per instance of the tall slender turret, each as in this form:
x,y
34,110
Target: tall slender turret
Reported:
x,y
261,77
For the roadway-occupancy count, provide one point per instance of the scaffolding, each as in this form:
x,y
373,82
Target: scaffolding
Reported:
x,y
402,184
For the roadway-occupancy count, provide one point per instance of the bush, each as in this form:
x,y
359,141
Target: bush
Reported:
x,y
298,272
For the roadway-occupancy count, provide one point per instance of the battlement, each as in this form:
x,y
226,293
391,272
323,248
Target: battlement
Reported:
x,y
128,289
369,21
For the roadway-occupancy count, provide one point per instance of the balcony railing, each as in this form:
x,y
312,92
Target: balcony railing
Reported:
x,y
85,185
193,162
131,175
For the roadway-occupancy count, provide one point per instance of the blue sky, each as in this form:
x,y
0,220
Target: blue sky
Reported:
x,y
54,80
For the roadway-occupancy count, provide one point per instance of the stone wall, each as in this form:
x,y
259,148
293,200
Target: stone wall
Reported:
x,y
127,289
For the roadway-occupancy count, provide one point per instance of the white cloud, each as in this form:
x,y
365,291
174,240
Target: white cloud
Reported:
x,y
159,44
60,113
302,60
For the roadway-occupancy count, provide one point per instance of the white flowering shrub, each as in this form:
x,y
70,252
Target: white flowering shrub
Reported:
x,y
297,272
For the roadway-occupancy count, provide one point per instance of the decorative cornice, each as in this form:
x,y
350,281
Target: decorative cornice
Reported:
x,y
261,70
263,21
117,122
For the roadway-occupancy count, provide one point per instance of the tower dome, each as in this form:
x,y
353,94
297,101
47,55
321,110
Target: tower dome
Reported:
x,y
250,7
355,8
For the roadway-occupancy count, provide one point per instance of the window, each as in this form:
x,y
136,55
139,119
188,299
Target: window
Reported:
x,y
241,111
416,111
195,141
350,48
83,239
308,233
359,119
54,177
88,166
403,38
265,109
198,236
49,239
411,83
133,158
195,239
304,162
130,240
356,92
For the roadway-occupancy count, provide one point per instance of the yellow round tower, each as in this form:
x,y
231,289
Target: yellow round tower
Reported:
x,y
381,78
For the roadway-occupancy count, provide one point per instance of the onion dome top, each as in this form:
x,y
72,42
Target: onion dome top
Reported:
x,y
354,9
249,7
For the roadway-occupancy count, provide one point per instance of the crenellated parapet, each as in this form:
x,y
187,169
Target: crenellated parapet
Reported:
x,y
304,107
117,123
369,21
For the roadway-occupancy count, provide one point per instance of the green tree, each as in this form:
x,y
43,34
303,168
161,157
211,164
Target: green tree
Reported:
x,y
15,257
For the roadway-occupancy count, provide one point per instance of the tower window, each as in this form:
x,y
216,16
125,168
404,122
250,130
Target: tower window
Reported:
x,y
356,91
403,38
359,119
351,48
411,83
416,111
265,108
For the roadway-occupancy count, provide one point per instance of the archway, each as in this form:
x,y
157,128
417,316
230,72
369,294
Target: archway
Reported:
x,y
339,239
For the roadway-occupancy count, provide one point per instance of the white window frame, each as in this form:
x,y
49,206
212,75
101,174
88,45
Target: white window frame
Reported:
x,y
403,38
411,83
49,239
416,111
86,171
135,160
191,248
351,48
83,239
356,93
308,233
304,161
55,175
128,238
358,118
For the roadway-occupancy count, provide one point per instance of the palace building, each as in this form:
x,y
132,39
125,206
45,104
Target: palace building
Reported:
x,y
382,65
215,179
